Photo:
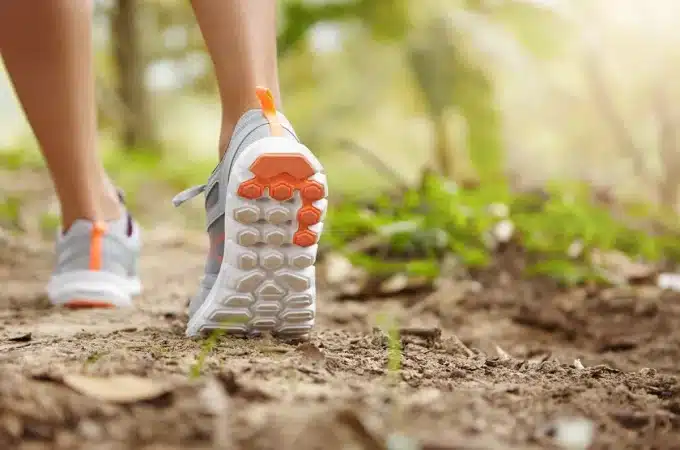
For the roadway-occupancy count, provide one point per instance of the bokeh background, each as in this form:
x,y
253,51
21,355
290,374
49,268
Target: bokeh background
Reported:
x,y
531,90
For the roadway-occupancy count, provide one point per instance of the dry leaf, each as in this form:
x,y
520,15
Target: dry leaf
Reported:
x,y
118,388
503,231
669,281
338,268
573,434
395,284
576,248
21,338
502,354
401,282
500,210
619,268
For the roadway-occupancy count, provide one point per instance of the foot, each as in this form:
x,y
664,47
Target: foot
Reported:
x,y
96,265
265,202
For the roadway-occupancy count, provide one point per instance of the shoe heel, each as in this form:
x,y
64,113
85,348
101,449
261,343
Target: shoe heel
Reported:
x,y
274,214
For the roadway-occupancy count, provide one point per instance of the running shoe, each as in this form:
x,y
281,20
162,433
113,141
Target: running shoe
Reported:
x,y
96,264
265,205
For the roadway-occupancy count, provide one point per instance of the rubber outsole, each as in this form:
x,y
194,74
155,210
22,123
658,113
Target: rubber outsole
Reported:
x,y
275,206
92,289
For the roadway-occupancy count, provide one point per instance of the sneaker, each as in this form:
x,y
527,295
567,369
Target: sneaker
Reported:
x,y
96,265
265,204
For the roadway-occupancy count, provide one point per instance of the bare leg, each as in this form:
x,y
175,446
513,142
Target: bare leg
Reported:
x,y
241,40
47,48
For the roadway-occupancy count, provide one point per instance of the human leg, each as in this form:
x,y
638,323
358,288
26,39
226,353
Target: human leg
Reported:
x,y
241,39
47,49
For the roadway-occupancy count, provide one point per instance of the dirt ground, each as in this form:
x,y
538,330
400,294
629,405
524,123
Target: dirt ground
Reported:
x,y
489,363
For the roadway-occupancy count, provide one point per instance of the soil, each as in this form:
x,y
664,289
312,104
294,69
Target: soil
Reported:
x,y
491,362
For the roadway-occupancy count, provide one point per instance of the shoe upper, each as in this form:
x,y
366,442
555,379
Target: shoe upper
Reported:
x,y
252,127
111,246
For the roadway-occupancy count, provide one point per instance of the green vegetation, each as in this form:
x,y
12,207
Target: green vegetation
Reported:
x,y
9,212
93,358
207,346
388,325
49,223
413,229
559,228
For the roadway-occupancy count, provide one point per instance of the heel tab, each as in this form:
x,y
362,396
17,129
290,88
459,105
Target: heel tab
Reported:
x,y
266,99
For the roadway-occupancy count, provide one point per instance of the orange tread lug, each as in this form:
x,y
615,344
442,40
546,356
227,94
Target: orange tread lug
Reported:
x,y
281,191
309,215
304,238
269,165
88,304
250,189
312,191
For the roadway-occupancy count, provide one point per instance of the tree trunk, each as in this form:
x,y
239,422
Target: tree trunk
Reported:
x,y
442,146
137,129
669,155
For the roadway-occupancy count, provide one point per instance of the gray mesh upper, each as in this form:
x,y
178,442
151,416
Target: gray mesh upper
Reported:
x,y
119,251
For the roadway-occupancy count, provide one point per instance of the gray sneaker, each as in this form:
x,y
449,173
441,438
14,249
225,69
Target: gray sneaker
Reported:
x,y
265,203
96,265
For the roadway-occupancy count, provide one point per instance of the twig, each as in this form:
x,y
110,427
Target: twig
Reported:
x,y
668,148
365,243
464,347
502,354
373,160
426,333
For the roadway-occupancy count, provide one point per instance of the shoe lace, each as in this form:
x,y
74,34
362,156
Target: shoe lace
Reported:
x,y
188,194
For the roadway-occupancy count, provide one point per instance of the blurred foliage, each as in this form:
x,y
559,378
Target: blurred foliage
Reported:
x,y
420,227
440,42
386,19
10,208
428,83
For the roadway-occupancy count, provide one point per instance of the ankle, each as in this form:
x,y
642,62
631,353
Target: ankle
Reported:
x,y
236,105
104,207
247,122
110,207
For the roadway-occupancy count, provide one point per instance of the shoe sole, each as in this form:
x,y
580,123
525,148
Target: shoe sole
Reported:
x,y
275,207
92,289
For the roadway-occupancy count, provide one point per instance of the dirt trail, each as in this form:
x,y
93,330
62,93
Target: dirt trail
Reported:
x,y
502,374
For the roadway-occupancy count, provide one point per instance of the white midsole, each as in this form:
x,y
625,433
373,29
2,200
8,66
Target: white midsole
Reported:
x,y
93,285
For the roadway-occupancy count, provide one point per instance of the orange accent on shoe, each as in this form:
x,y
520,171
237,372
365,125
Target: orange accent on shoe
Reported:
x,y
266,99
304,238
309,215
293,164
283,174
281,191
98,230
250,189
313,191
88,304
